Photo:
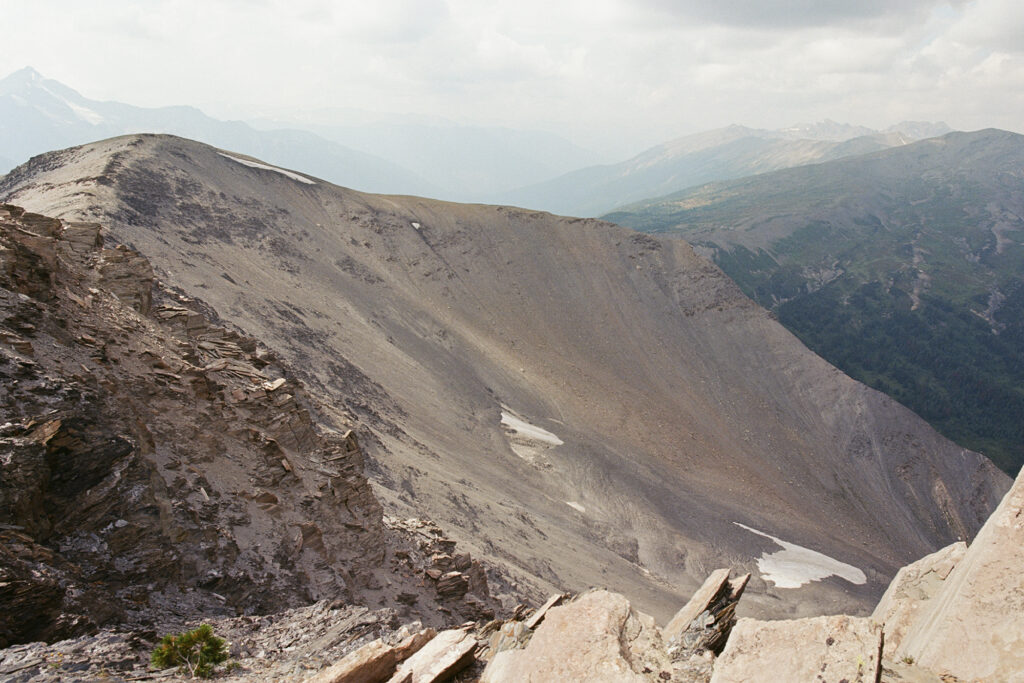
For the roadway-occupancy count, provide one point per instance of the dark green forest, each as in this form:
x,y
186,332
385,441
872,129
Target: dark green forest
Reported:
x,y
943,363
904,268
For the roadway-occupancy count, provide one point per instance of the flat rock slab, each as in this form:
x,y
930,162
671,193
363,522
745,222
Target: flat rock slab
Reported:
x,y
598,638
538,616
445,655
820,649
974,629
913,587
373,662
701,600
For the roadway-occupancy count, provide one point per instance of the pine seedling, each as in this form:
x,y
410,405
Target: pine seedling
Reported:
x,y
194,652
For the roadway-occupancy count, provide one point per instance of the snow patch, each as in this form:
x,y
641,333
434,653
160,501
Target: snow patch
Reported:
x,y
794,565
575,506
81,112
525,429
85,113
267,167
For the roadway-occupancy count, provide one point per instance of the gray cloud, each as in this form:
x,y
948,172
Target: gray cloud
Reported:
x,y
790,13
628,71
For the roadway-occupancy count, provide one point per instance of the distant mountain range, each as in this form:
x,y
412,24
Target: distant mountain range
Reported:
x,y
726,153
39,114
905,268
467,163
438,160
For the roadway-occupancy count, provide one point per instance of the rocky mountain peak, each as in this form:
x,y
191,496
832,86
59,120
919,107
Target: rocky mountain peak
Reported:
x,y
536,383
19,79
204,357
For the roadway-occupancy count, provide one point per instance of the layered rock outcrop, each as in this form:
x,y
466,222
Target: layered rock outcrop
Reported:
x,y
972,627
156,466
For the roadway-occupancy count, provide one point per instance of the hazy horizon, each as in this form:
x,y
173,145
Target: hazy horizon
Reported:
x,y
626,74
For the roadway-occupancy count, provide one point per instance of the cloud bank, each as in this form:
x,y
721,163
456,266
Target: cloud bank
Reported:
x,y
643,70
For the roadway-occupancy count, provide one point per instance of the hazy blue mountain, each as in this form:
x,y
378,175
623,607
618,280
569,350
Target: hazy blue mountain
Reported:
x,y
920,130
722,154
905,268
825,130
468,163
39,114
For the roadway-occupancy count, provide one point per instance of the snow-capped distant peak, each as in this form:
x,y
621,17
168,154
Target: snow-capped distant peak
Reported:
x,y
19,80
80,111
29,88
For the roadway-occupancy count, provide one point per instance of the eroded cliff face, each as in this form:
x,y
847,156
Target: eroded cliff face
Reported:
x,y
156,466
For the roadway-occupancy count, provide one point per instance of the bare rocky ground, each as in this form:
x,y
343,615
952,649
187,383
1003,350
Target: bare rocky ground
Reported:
x,y
964,594
663,406
160,468
157,469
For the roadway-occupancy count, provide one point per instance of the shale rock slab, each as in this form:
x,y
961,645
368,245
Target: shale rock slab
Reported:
x,y
599,637
822,649
974,630
912,589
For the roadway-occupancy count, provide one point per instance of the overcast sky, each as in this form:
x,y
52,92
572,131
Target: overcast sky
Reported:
x,y
643,70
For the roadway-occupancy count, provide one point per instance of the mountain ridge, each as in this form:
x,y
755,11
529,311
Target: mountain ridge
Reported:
x,y
721,154
428,321
38,115
925,241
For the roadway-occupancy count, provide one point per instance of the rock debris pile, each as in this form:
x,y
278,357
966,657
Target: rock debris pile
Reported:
x,y
157,468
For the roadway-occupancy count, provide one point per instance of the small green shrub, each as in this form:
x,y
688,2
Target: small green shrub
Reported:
x,y
195,652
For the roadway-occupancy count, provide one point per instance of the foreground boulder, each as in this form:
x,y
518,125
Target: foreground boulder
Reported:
x,y
599,637
974,629
912,590
827,649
